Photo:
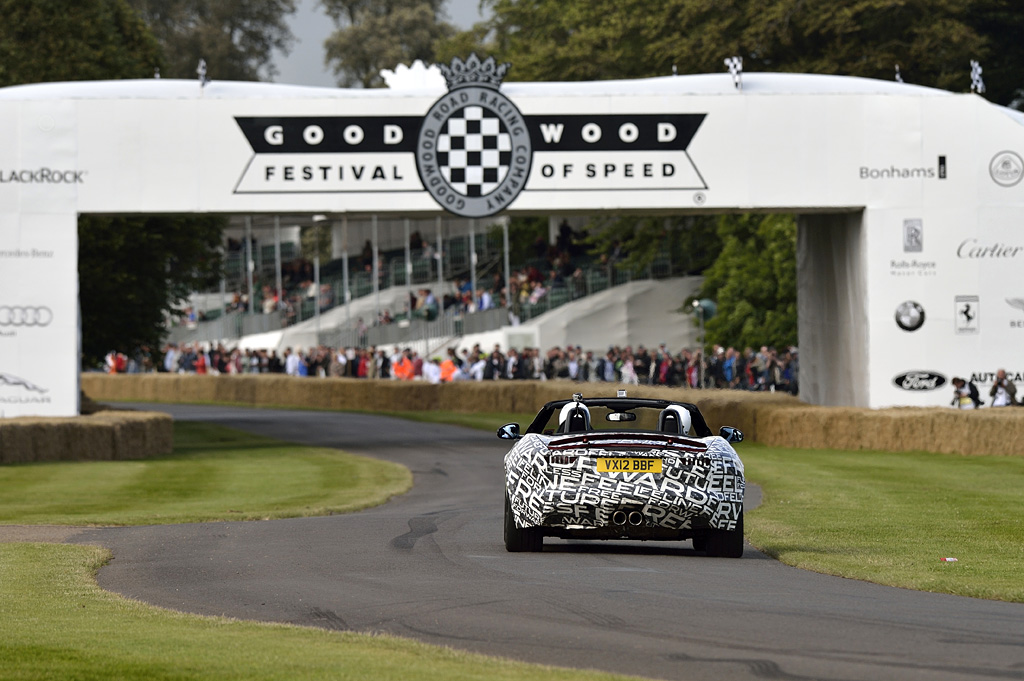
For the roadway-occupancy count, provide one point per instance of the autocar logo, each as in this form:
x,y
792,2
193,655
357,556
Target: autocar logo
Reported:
x,y
919,381
474,152
15,381
25,315
909,315
1006,168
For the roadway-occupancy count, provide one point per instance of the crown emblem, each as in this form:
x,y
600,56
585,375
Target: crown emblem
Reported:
x,y
474,72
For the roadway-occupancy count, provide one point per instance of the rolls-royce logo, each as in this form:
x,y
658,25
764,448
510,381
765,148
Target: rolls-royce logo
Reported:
x,y
25,315
919,380
473,152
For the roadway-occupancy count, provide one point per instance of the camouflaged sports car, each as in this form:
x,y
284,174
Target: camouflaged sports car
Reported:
x,y
623,468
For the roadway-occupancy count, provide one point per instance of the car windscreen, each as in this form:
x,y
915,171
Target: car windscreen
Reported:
x,y
604,418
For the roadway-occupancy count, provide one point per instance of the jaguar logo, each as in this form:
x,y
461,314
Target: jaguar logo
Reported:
x,y
919,381
15,381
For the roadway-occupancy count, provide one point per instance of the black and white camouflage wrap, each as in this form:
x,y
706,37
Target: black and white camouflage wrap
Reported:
x,y
700,487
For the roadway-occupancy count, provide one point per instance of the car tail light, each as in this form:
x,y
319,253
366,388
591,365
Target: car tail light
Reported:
x,y
562,459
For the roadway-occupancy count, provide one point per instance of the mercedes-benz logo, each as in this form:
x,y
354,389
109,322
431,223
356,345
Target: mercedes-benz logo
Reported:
x,y
25,315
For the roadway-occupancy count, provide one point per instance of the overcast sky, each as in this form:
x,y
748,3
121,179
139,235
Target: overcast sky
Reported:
x,y
305,64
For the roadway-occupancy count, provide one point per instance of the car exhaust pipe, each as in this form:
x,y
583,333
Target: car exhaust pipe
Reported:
x,y
619,517
635,518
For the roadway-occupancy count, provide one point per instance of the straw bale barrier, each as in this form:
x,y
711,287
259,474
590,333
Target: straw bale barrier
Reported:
x,y
103,436
770,418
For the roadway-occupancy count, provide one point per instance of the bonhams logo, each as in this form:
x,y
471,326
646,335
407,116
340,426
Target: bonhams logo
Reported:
x,y
919,381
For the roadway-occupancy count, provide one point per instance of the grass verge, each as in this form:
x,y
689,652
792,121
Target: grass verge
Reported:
x,y
55,623
891,517
215,473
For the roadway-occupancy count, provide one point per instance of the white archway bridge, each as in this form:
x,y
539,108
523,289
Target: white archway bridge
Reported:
x,y
911,232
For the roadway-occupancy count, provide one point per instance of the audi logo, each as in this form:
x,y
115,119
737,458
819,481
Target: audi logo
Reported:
x,y
25,315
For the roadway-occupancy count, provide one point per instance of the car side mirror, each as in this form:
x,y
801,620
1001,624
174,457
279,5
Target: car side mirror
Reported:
x,y
509,431
732,435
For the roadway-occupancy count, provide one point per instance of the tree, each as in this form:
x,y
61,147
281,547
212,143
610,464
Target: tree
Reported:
x,y
131,270
52,41
237,38
932,40
753,282
372,36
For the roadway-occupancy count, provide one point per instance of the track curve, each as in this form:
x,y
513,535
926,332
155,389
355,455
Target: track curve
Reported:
x,y
431,565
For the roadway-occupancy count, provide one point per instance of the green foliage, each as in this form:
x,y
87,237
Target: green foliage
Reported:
x,y
237,38
690,243
133,270
54,41
753,282
933,41
380,35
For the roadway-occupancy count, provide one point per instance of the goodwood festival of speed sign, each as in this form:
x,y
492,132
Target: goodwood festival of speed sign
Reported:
x,y
473,151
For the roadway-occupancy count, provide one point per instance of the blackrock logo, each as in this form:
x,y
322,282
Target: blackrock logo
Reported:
x,y
474,152
1006,168
919,381
909,316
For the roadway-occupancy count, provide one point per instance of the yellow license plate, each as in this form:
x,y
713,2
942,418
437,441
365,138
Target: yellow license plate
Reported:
x,y
624,465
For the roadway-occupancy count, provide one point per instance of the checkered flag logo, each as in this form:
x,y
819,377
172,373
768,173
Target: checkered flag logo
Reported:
x,y
474,151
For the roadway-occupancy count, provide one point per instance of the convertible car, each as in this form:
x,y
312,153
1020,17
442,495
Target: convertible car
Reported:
x,y
623,468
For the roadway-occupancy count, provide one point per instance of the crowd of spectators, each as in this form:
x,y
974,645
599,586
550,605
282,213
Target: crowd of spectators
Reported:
x,y
726,368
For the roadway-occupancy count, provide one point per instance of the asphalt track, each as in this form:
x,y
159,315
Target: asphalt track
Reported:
x,y
431,565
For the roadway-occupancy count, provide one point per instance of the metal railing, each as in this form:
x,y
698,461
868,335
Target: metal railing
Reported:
x,y
557,293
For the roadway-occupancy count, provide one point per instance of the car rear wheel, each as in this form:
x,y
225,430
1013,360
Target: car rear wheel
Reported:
x,y
726,543
700,543
520,539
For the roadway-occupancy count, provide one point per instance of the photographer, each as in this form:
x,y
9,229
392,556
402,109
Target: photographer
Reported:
x,y
1003,392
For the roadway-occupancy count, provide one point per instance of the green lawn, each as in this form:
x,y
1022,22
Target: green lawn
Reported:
x,y
56,624
891,517
214,474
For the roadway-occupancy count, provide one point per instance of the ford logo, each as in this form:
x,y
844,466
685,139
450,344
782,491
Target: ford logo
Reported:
x,y
919,380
